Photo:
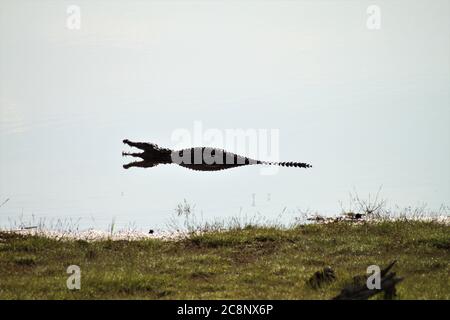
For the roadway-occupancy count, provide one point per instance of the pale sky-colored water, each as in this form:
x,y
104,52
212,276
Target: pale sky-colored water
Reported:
x,y
365,107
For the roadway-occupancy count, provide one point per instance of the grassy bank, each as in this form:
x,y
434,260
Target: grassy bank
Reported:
x,y
249,263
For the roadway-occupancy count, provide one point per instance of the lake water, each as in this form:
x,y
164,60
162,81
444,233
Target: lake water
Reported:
x,y
366,107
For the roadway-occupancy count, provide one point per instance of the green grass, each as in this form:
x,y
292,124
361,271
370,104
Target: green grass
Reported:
x,y
249,263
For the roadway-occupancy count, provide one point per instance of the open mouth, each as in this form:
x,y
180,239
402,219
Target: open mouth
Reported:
x,y
131,154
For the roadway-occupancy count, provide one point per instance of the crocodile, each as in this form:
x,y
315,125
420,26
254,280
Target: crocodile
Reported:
x,y
197,158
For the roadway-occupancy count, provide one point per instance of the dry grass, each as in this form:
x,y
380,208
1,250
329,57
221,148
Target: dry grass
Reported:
x,y
240,263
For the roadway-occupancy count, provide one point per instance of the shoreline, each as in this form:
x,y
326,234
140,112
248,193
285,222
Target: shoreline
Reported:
x,y
137,235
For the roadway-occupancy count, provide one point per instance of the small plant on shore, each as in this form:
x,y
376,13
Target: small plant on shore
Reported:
x,y
112,226
4,202
194,224
371,207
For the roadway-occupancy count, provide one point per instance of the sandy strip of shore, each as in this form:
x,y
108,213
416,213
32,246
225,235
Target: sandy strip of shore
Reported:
x,y
133,235
99,235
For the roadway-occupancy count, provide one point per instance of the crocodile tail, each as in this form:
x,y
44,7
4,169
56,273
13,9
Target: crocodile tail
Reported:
x,y
287,164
